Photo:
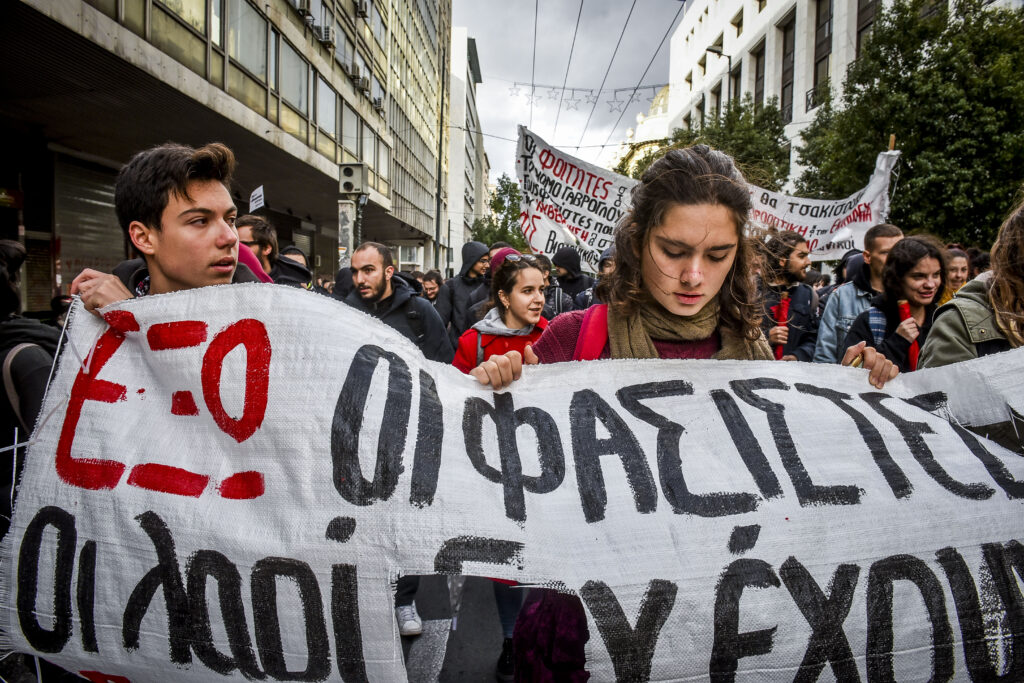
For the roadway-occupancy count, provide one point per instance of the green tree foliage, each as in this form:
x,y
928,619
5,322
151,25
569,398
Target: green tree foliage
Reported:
x,y
947,83
752,135
502,225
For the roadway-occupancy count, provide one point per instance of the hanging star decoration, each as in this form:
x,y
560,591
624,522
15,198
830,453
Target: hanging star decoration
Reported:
x,y
572,103
514,90
592,97
553,94
616,105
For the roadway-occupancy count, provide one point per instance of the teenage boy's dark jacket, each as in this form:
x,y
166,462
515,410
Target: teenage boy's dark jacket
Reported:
x,y
803,318
455,298
411,315
134,271
893,347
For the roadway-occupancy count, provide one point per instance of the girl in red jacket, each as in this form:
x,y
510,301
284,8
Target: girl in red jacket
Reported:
x,y
513,318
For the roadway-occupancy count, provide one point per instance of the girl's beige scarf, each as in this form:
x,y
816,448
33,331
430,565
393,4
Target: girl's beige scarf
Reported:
x,y
631,336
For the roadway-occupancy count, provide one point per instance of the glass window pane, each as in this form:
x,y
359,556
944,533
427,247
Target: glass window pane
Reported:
x,y
350,130
247,38
369,147
273,59
383,160
216,11
192,11
326,108
294,78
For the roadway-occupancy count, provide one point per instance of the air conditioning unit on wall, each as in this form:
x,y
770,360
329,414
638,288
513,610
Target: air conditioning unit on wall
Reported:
x,y
362,8
326,35
364,84
303,7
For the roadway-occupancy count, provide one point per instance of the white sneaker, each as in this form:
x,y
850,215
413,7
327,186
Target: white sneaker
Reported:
x,y
409,622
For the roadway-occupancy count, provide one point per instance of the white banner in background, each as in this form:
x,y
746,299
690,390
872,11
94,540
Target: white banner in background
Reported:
x,y
569,202
219,494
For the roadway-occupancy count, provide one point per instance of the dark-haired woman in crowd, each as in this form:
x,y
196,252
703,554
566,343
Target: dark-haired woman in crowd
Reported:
x,y
683,287
898,322
27,348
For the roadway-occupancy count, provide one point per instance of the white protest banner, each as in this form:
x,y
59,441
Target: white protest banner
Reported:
x,y
256,199
215,493
567,201
832,227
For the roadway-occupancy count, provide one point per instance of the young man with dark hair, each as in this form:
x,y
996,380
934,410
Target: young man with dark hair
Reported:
x,y
175,209
787,258
432,282
850,299
256,233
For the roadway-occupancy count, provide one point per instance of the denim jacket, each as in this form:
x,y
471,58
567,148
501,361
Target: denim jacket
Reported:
x,y
844,304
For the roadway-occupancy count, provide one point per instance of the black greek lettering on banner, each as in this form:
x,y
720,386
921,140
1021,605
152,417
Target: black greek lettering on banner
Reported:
x,y
585,410
631,649
746,444
825,614
730,646
894,476
164,575
203,565
265,574
670,471
911,432
808,493
883,574
85,595
507,419
348,422
55,638
426,460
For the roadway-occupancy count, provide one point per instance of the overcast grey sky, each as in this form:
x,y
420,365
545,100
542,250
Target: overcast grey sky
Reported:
x,y
504,38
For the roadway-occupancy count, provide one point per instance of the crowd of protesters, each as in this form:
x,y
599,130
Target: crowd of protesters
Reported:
x,y
684,278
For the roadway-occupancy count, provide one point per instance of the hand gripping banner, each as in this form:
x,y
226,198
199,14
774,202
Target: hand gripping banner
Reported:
x,y
224,482
569,202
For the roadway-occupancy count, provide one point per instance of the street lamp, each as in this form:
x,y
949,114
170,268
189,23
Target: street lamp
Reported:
x,y
717,50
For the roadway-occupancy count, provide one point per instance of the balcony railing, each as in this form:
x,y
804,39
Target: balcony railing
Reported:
x,y
816,96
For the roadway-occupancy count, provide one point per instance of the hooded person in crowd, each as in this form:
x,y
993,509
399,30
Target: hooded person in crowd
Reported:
x,y
556,301
899,319
987,314
605,265
292,269
854,296
787,257
681,289
570,276
454,299
27,348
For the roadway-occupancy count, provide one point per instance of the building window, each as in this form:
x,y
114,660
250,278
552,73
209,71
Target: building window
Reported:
x,y
326,108
383,160
822,41
350,132
274,41
737,23
216,12
369,147
735,86
761,4
716,101
866,10
378,27
294,78
343,48
689,81
758,56
192,11
788,49
247,38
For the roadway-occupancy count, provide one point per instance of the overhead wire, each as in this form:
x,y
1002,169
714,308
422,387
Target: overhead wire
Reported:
x,y
565,80
644,75
533,71
607,71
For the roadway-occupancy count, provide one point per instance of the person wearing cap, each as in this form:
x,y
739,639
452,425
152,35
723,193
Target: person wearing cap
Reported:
x,y
454,299
605,265
571,278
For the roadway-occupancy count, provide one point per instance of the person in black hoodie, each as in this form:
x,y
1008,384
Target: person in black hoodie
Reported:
x,y
455,299
395,300
915,272
570,277
27,348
